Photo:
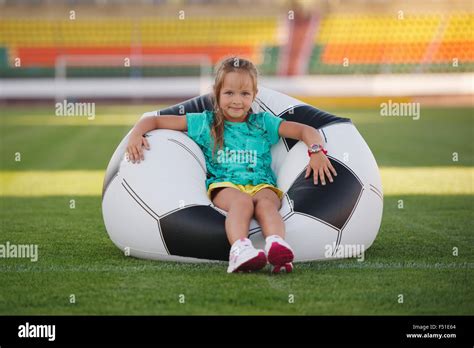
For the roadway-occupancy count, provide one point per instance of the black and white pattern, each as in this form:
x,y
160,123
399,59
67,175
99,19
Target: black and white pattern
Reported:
x,y
159,209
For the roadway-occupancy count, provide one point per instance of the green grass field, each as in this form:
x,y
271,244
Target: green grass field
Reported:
x,y
423,251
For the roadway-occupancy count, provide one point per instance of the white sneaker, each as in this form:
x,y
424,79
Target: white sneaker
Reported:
x,y
279,254
244,257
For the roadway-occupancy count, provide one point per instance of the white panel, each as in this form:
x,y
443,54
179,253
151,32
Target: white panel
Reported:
x,y
295,162
309,237
346,144
127,223
169,176
278,102
364,224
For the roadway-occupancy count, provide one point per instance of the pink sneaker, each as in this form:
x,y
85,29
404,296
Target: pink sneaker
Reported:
x,y
279,254
245,258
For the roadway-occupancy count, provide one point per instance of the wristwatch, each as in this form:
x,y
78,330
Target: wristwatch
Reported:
x,y
315,148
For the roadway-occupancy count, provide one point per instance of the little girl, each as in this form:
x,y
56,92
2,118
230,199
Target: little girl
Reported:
x,y
236,144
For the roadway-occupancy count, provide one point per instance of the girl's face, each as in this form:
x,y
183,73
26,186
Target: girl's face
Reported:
x,y
236,96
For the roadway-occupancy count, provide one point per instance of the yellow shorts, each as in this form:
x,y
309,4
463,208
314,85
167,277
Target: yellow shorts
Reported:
x,y
250,189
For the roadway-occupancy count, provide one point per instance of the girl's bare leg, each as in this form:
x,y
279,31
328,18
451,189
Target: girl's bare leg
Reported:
x,y
240,209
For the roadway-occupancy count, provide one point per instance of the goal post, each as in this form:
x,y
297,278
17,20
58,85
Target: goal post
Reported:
x,y
113,72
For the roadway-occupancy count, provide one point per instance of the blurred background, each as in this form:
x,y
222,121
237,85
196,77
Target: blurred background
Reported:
x,y
326,52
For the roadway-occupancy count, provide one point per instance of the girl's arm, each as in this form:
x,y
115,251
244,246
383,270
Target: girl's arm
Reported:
x,y
318,162
136,141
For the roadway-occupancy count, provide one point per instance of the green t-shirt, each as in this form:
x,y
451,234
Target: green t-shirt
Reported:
x,y
245,157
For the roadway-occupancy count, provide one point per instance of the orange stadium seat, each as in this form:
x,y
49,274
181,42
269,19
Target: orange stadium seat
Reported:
x,y
377,40
46,56
361,39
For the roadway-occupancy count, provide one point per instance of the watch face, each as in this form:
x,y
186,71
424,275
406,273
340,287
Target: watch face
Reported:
x,y
315,148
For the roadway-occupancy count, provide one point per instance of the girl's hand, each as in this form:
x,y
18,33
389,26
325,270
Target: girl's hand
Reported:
x,y
321,166
135,146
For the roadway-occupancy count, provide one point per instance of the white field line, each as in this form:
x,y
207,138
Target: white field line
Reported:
x,y
315,265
